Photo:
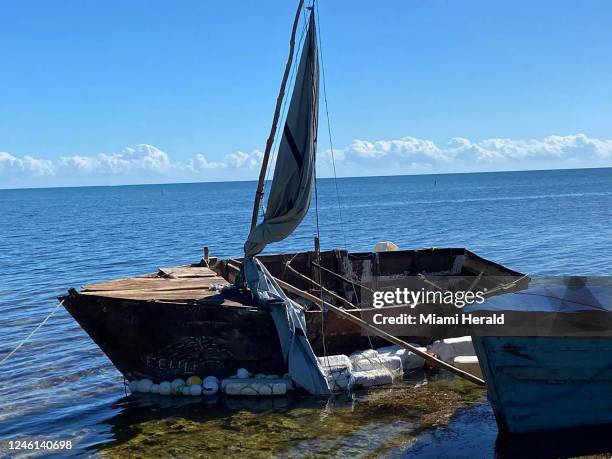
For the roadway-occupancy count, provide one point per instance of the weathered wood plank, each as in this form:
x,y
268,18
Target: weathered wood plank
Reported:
x,y
208,296
187,271
156,284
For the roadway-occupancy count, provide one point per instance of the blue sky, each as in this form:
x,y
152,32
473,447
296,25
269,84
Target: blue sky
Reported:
x,y
109,92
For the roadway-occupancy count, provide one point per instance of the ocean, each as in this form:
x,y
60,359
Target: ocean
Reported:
x,y
59,384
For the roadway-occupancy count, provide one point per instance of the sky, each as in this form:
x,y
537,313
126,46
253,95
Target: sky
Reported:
x,y
112,92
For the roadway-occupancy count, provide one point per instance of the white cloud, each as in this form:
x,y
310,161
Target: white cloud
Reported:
x,y
406,147
141,157
10,164
200,163
240,159
459,152
408,155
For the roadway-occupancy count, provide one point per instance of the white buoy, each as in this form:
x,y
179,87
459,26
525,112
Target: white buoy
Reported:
x,y
210,387
279,389
195,390
133,386
144,385
154,389
265,389
176,383
184,390
165,388
385,246
194,381
242,373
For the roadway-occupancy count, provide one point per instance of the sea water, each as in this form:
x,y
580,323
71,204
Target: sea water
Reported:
x,y
60,385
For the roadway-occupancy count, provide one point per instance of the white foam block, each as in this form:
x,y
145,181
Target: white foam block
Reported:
x,y
468,363
335,363
337,370
358,355
338,380
392,364
410,361
255,386
449,348
371,378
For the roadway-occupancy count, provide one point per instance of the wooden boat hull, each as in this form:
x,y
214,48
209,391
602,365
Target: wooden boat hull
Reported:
x,y
163,341
179,322
544,383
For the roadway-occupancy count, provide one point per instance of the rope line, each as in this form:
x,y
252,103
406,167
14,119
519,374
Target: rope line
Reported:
x,y
331,148
32,333
315,10
329,134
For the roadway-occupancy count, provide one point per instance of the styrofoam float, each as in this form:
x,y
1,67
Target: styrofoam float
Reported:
x,y
468,363
372,360
194,386
337,369
369,378
373,369
360,369
449,348
256,386
410,361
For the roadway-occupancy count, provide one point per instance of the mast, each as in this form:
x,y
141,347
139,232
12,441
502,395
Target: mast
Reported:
x,y
279,100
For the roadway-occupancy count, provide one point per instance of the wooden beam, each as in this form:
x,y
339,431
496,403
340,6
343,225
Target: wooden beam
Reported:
x,y
383,334
377,331
341,277
312,282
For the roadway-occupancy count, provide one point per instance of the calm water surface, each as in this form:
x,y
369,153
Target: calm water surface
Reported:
x,y
60,385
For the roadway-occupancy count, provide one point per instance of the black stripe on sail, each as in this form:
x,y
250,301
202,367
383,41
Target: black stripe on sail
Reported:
x,y
292,146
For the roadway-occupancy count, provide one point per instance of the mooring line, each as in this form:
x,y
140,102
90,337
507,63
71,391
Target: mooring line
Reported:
x,y
32,333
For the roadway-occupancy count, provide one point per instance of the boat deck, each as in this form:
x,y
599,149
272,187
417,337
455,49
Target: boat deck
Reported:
x,y
183,284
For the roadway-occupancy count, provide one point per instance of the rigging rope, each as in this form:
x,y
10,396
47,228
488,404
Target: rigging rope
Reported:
x,y
314,8
329,133
32,333
331,148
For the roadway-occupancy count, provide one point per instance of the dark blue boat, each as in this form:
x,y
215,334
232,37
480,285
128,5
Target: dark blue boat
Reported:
x,y
555,371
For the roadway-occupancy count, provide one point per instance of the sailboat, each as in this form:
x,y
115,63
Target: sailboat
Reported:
x,y
261,312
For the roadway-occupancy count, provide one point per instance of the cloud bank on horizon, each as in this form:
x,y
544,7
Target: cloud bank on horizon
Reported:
x,y
409,155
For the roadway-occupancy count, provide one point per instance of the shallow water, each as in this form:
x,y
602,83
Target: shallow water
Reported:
x,y
60,385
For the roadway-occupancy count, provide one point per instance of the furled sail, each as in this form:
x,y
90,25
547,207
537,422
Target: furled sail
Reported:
x,y
291,188
288,203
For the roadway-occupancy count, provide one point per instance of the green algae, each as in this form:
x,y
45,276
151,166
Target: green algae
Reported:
x,y
380,419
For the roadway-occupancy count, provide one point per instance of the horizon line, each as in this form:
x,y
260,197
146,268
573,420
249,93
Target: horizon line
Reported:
x,y
322,178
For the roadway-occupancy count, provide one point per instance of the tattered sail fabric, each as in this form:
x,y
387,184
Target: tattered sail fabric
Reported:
x,y
291,188
302,363
288,203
